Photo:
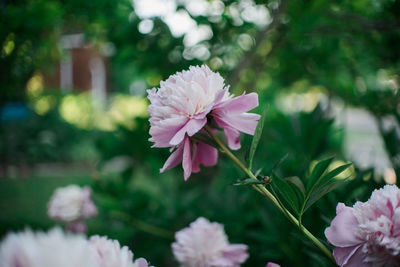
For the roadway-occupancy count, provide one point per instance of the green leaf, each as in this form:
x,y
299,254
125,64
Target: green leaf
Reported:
x,y
258,172
248,181
279,162
287,192
317,172
323,191
330,175
297,183
257,137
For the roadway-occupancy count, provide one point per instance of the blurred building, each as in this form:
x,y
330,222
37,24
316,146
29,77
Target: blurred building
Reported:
x,y
82,67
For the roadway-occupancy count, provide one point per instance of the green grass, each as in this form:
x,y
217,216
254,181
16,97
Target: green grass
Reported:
x,y
23,202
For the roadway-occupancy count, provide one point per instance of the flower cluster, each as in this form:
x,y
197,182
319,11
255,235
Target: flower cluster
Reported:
x,y
188,101
56,248
368,234
72,204
205,244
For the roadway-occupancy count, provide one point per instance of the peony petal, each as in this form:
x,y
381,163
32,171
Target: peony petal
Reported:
x,y
174,159
236,253
272,264
186,162
343,227
350,257
164,131
246,122
191,127
203,154
239,104
78,227
396,222
233,137
141,262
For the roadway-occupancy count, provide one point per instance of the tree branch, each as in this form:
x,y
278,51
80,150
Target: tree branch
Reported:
x,y
260,37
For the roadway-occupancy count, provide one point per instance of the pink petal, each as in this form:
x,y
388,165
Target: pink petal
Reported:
x,y
187,161
343,227
396,222
203,154
191,127
78,227
219,96
236,253
141,262
165,130
239,104
350,256
233,137
246,122
174,159
272,264
89,209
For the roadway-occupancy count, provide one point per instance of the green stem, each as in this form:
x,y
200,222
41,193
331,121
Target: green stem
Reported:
x,y
142,226
260,188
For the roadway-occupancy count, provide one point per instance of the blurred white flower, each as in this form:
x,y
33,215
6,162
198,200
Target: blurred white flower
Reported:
x,y
40,249
205,244
58,249
111,254
71,203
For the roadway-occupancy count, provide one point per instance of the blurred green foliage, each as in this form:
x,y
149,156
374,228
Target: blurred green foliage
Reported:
x,y
346,51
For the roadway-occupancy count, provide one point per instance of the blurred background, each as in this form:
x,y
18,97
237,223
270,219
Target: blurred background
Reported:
x,y
73,110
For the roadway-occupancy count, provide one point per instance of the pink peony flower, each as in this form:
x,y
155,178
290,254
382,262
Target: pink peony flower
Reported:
x,y
184,104
272,264
368,234
205,244
111,254
72,204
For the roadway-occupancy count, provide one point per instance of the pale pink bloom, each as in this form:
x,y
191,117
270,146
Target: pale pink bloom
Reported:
x,y
272,264
111,254
41,249
58,249
368,234
184,104
205,244
72,204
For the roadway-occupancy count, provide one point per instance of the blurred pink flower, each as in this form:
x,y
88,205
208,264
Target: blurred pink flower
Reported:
x,y
184,104
272,264
205,244
111,254
72,204
368,234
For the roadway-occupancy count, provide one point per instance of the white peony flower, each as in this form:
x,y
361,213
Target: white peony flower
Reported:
x,y
71,203
110,254
40,249
205,244
58,249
